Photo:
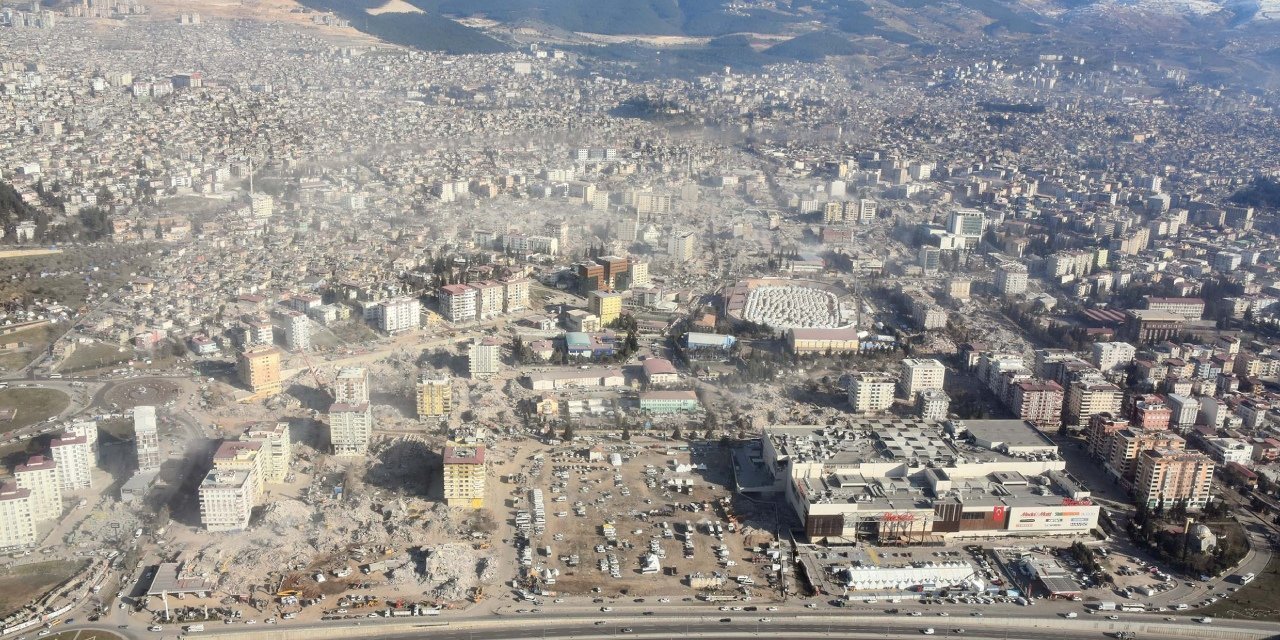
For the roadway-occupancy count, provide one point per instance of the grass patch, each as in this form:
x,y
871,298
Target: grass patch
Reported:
x,y
36,339
1258,600
33,405
94,356
22,584
353,331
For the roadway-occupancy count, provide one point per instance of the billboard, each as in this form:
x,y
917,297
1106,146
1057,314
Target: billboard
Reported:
x,y
1053,518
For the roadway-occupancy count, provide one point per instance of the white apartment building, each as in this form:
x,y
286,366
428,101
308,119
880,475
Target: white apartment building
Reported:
x,y
40,476
226,500
517,295
400,314
1011,279
459,302
871,392
71,454
17,525
482,358
1184,410
276,451
490,299
351,386
1109,356
919,374
350,427
146,438
297,331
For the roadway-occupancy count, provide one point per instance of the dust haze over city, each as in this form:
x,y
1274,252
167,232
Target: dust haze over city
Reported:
x,y
507,319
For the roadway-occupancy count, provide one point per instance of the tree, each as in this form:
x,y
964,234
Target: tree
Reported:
x,y
676,434
626,433
568,432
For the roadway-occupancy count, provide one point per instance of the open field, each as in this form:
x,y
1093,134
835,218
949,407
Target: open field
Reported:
x,y
94,356
23,583
36,340
1258,600
33,405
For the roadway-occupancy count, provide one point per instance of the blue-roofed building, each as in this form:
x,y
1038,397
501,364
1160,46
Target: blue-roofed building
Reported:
x,y
695,341
579,344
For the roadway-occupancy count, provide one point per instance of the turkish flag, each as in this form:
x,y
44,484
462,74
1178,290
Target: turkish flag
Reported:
x,y
998,512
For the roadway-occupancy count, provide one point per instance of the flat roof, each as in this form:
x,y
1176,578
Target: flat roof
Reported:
x,y
171,579
464,454
574,374
1014,433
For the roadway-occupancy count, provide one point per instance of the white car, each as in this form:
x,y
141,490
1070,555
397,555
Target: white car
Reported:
x,y
915,614
928,631
1071,614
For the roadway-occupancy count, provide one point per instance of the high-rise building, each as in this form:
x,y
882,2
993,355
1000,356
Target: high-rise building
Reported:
x,y
71,454
1038,402
350,428
243,455
627,228
590,277
870,392
919,374
146,438
17,525
434,395
933,404
464,475
399,314
637,274
459,302
968,224
490,299
1090,396
261,206
40,476
297,330
517,295
1128,444
833,213
351,385
88,429
615,269
1011,279
1182,410
681,246
865,211
606,305
1109,356
958,288
482,358
276,449
226,500
259,370
1102,429
1166,477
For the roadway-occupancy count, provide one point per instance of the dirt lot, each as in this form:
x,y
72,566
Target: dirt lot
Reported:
x,y
640,500
35,341
128,395
96,355
32,405
19,585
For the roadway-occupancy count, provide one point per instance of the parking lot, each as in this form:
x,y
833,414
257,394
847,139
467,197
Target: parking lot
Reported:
x,y
629,519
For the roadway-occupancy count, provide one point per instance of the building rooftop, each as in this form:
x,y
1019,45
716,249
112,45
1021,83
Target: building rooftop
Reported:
x,y
1013,434
463,454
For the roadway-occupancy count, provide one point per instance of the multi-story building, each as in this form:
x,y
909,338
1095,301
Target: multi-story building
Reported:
x,y
490,299
226,500
659,402
459,302
919,374
351,385
275,449
1038,402
1102,428
918,482
968,225
864,211
1145,326
1011,279
464,475
1128,444
243,455
1109,356
399,314
1167,476
681,246
933,404
516,292
74,462
297,330
1189,308
870,392
821,340
615,270
146,438
350,428
259,369
40,476
482,358
1090,396
958,288
17,524
434,393
1182,410
637,274
606,305
590,277
1151,413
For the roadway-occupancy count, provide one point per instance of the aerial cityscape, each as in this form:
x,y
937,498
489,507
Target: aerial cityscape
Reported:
x,y
562,318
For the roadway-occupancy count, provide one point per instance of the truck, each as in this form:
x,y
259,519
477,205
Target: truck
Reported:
x,y
193,628
1106,606
1247,578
